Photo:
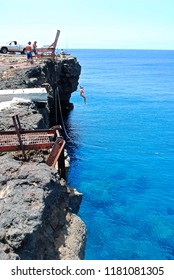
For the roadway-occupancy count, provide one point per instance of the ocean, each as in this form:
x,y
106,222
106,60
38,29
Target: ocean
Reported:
x,y
122,153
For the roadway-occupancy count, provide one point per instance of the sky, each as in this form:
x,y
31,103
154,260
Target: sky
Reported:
x,y
101,24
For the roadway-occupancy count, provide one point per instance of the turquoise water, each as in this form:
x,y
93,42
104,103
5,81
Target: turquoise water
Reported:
x,y
122,153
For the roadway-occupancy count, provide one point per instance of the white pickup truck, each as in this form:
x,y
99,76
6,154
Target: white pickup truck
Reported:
x,y
12,46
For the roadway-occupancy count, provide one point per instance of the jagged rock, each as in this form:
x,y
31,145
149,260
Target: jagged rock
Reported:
x,y
30,116
62,73
75,199
33,211
71,239
36,207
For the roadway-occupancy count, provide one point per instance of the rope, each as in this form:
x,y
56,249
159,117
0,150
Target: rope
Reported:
x,y
61,115
57,98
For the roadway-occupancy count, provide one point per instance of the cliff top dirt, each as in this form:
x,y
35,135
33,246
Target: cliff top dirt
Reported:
x,y
20,61
15,61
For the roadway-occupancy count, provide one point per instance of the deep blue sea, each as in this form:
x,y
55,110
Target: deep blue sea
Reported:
x,y
122,153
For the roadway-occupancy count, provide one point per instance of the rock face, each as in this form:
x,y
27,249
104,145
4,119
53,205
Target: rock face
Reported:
x,y
62,73
35,221
30,116
38,210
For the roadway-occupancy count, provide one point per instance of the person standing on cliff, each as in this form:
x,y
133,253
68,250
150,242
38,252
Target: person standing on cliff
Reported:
x,y
35,48
28,50
82,93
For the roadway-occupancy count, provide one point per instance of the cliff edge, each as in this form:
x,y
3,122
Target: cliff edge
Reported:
x,y
62,72
38,210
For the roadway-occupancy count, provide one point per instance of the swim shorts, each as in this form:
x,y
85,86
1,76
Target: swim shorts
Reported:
x,y
29,55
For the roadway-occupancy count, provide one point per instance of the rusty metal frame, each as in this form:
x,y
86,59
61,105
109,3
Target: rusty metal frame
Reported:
x,y
39,139
50,50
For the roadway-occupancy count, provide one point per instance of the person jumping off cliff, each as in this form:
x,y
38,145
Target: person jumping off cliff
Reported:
x,y
82,94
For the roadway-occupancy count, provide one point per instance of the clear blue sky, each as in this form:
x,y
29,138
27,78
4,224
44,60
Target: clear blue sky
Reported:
x,y
118,24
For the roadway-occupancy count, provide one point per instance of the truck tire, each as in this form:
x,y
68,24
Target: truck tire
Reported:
x,y
4,50
23,52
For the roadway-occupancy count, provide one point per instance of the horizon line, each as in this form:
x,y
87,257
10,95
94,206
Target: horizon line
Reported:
x,y
121,49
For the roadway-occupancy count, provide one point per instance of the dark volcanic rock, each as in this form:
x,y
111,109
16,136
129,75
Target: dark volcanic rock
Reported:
x,y
63,73
30,116
37,210
34,214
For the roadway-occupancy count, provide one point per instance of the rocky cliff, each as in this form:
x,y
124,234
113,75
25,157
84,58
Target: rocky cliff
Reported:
x,y
38,210
36,221
62,73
